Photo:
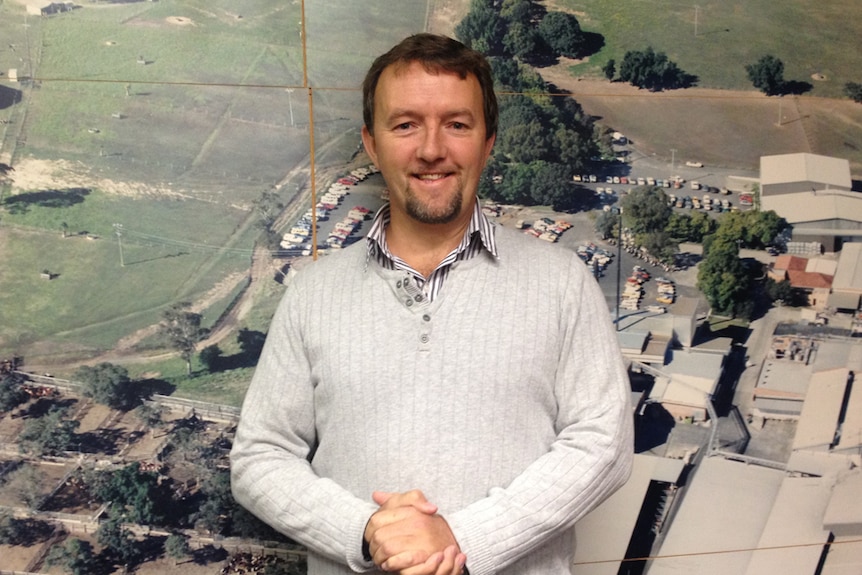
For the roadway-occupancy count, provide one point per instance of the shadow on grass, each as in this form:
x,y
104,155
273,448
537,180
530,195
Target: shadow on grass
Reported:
x,y
21,203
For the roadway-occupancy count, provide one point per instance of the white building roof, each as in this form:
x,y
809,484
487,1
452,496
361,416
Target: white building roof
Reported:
x,y
791,168
693,376
848,274
726,508
843,515
850,440
788,544
602,537
818,420
844,557
811,207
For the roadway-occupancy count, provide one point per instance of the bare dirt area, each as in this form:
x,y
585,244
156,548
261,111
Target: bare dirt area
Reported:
x,y
723,128
179,21
35,174
17,558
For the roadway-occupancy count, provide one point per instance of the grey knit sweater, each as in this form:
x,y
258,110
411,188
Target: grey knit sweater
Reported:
x,y
504,400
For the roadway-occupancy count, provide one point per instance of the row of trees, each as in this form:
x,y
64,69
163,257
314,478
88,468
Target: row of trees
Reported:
x,y
650,70
521,29
542,139
134,495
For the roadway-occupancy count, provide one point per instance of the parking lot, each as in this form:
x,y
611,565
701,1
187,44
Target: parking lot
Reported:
x,y
578,230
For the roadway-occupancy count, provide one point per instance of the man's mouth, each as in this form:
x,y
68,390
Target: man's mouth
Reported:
x,y
430,177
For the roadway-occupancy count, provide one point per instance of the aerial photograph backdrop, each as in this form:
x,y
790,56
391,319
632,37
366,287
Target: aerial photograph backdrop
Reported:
x,y
166,166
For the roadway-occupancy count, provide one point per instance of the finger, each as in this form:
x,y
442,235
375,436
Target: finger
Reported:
x,y
412,559
431,566
413,498
452,563
381,497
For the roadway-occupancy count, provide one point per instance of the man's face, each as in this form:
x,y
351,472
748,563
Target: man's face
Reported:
x,y
429,142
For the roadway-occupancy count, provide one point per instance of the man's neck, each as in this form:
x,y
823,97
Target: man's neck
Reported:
x,y
424,246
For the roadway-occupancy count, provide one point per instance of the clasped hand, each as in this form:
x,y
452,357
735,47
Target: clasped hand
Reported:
x,y
406,535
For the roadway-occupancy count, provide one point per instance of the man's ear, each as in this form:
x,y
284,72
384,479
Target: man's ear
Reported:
x,y
370,147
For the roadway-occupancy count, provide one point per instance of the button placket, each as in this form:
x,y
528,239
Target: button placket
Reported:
x,y
425,333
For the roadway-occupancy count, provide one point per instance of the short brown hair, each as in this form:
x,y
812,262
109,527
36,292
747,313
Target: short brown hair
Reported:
x,y
437,53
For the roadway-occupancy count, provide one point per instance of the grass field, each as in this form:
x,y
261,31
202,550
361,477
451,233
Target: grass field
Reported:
x,y
715,39
181,112
176,115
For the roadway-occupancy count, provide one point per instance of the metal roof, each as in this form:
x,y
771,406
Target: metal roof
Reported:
x,y
790,168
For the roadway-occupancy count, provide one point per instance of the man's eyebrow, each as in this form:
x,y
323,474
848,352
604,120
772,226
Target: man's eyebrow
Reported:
x,y
411,113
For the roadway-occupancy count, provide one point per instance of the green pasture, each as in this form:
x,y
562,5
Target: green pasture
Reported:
x,y
172,250
193,108
809,37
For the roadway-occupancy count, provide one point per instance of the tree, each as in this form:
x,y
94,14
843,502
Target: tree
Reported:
x,y
107,384
482,28
780,292
753,229
660,245
28,482
853,91
550,183
723,279
610,69
210,356
522,40
75,557
119,541
606,224
562,32
150,415
177,547
653,71
11,393
767,75
268,207
134,493
183,330
50,434
646,210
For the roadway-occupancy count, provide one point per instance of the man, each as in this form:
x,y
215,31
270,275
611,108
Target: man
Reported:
x,y
450,393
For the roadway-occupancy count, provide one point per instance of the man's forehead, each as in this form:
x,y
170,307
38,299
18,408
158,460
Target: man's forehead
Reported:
x,y
402,67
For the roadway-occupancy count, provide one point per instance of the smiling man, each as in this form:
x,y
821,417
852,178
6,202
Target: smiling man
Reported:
x,y
478,405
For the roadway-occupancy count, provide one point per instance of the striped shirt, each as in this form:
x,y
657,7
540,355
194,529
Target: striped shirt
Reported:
x,y
479,236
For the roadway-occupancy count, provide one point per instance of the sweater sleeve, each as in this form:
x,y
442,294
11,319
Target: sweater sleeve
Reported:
x,y
590,458
270,471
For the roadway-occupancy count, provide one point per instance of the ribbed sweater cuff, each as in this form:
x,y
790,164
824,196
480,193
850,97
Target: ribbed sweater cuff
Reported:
x,y
473,543
356,535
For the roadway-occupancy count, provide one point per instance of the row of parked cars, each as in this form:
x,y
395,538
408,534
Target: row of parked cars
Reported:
x,y
298,239
707,203
676,182
634,292
545,229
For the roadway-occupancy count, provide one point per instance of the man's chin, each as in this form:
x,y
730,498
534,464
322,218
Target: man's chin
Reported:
x,y
432,216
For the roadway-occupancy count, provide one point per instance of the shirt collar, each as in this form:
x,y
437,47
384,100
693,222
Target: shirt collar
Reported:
x,y
479,226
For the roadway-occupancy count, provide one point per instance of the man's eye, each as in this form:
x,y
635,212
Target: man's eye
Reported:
x,y
403,126
459,125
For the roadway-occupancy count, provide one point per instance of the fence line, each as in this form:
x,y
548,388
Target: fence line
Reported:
x,y
216,410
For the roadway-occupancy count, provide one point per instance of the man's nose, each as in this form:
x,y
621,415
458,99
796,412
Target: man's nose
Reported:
x,y
432,146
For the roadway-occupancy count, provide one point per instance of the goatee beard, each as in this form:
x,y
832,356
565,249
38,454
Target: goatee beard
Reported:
x,y
421,212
